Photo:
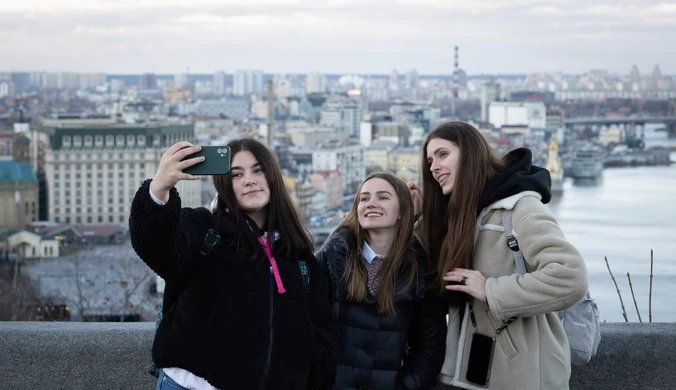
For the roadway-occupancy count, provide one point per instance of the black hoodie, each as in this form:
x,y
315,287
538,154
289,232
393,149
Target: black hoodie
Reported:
x,y
517,176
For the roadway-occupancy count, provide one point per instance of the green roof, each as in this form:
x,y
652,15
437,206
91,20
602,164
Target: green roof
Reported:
x,y
22,139
12,171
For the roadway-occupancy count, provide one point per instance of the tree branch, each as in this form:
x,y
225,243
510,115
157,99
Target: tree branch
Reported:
x,y
631,287
650,294
624,312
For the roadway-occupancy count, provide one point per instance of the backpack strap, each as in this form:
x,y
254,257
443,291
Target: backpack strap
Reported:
x,y
513,244
211,239
305,274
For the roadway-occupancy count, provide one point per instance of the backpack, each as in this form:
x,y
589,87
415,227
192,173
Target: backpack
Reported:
x,y
210,241
580,322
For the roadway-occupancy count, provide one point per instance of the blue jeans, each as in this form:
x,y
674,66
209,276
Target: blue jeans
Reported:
x,y
166,383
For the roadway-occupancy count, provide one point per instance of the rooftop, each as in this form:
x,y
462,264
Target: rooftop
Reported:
x,y
16,172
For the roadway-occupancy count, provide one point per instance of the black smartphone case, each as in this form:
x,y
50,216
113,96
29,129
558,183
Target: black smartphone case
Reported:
x,y
217,160
480,359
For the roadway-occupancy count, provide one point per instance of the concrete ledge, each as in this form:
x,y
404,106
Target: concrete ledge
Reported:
x,y
79,356
75,355
631,356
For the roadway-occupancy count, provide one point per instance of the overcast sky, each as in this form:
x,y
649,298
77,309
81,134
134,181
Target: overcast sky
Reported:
x,y
337,36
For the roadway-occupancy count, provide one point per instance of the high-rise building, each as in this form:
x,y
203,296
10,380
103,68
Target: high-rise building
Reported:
x,y
50,81
315,83
148,81
656,78
394,79
219,83
412,79
91,80
6,88
343,115
247,82
634,75
94,167
490,92
21,80
181,80
342,156
68,80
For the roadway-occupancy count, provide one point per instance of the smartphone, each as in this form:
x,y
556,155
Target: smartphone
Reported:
x,y
480,359
217,161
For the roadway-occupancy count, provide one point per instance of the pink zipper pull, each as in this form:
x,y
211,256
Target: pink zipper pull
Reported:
x,y
273,264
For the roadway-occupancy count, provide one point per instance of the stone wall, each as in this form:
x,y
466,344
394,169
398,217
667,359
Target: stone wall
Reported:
x,y
79,356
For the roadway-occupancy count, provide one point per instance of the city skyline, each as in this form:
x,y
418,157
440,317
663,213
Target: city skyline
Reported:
x,y
338,37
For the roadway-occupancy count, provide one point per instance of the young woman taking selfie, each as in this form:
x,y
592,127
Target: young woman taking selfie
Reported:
x,y
237,311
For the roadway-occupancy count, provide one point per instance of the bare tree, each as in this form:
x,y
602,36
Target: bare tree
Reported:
x,y
108,282
16,297
80,300
132,273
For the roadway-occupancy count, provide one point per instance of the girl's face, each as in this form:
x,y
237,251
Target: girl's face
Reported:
x,y
378,206
249,183
444,159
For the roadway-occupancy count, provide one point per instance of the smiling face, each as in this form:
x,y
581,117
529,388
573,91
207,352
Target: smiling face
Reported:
x,y
444,159
378,206
249,183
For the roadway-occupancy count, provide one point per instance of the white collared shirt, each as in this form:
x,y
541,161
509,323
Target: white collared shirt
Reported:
x,y
368,253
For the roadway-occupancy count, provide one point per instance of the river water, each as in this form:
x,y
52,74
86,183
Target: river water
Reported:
x,y
622,216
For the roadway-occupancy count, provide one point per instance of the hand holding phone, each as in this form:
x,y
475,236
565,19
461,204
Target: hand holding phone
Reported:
x,y
172,164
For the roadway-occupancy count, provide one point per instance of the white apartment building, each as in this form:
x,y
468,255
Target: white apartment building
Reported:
x,y
344,116
219,83
6,88
93,169
247,82
533,114
310,135
315,83
490,92
344,156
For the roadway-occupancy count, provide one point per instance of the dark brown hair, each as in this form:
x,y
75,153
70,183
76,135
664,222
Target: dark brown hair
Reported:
x,y
282,215
449,222
401,253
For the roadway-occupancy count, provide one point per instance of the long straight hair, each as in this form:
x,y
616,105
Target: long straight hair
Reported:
x,y
402,254
282,215
449,222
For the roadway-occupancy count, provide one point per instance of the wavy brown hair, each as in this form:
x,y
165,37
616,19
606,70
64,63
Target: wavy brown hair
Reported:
x,y
449,221
282,215
401,255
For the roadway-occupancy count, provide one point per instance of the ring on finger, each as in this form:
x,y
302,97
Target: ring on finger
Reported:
x,y
464,281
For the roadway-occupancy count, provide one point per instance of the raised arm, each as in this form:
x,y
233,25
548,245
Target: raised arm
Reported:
x,y
165,236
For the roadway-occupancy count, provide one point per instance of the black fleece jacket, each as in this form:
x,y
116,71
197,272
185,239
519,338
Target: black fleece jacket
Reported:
x,y
223,319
